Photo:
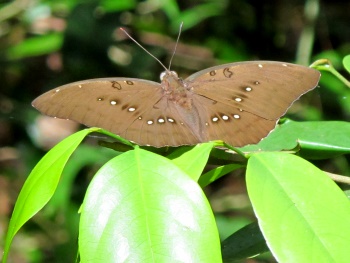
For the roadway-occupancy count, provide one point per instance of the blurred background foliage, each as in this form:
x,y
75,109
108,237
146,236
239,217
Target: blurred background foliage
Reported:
x,y
44,44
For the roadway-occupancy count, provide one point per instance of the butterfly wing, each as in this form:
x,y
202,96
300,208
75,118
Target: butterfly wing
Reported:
x,y
132,108
264,88
239,103
232,125
242,102
161,125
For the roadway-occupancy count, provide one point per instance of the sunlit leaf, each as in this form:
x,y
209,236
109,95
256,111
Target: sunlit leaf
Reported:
x,y
140,207
192,160
303,214
41,184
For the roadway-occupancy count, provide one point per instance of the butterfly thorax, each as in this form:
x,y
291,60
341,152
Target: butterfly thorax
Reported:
x,y
176,90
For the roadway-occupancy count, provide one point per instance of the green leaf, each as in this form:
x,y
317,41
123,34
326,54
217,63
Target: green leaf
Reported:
x,y
217,173
36,46
115,136
171,9
317,139
327,66
245,243
192,159
41,184
198,13
140,207
84,155
303,214
346,63
115,6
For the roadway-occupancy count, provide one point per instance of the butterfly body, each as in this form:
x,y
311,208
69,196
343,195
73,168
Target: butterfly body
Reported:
x,y
179,99
239,103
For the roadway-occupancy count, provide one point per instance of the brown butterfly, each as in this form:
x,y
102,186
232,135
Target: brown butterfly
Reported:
x,y
239,103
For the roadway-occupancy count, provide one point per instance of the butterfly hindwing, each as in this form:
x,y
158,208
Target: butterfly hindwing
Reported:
x,y
163,125
232,125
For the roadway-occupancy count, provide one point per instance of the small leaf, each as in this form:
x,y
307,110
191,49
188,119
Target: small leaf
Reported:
x,y
41,184
36,46
192,159
245,243
326,65
193,16
115,136
217,173
303,214
140,207
115,6
346,63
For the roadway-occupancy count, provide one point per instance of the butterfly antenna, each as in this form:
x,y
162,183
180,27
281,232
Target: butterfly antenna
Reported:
x,y
149,53
177,41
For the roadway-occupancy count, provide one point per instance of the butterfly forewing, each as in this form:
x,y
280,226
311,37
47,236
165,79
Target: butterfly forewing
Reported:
x,y
132,108
264,88
113,103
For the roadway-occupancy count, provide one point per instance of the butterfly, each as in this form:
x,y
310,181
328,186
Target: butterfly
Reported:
x,y
239,103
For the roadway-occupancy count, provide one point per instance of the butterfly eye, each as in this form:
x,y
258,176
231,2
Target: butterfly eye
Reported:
x,y
162,75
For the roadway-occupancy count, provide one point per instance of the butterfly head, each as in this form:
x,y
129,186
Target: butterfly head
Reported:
x,y
171,82
168,74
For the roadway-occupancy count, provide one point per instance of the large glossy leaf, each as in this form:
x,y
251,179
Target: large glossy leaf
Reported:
x,y
303,214
41,184
140,207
